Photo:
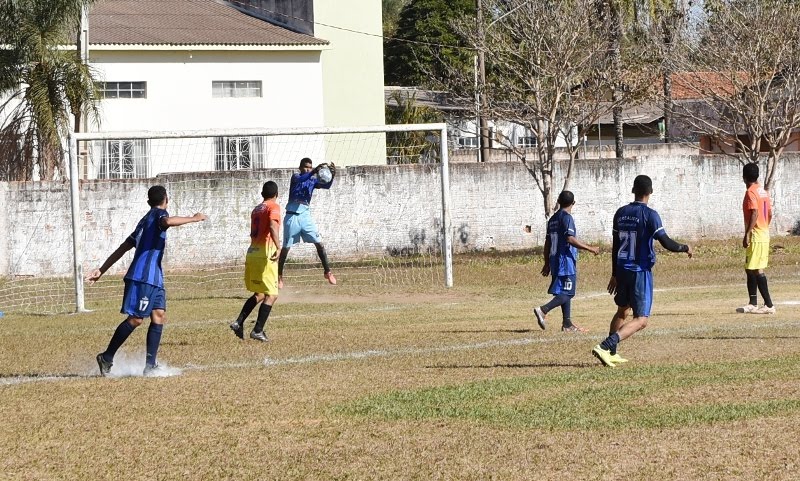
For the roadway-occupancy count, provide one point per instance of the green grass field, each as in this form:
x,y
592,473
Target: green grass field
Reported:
x,y
421,382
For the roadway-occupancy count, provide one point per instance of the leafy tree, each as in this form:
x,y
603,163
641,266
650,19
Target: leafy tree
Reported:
x,y
426,45
410,147
41,84
391,15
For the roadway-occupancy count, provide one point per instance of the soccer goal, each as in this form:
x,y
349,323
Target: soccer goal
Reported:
x,y
384,222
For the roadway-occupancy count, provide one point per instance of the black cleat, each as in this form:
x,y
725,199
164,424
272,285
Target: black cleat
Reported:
x,y
105,366
237,329
258,336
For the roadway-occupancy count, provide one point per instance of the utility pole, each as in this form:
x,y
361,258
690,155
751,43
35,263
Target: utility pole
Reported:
x,y
483,138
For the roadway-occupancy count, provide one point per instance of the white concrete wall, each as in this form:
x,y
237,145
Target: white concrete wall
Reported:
x,y
383,210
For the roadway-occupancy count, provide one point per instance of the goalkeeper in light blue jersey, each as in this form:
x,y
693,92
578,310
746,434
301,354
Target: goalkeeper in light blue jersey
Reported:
x,y
297,224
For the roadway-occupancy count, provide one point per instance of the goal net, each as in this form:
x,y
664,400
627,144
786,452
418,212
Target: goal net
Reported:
x,y
384,221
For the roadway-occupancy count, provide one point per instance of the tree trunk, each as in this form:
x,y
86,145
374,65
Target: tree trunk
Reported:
x,y
667,86
616,59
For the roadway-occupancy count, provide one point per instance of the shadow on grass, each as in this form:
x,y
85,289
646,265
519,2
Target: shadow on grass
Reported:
x,y
34,375
515,366
735,338
479,331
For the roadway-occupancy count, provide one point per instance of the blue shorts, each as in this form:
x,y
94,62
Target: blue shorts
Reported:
x,y
563,285
299,226
141,299
635,290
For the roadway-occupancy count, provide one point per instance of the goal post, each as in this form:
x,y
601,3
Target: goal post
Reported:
x,y
205,169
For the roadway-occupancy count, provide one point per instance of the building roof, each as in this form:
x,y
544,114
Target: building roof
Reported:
x,y
185,22
636,114
434,99
698,85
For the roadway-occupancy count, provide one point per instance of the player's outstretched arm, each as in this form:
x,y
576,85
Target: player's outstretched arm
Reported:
x,y
96,274
175,221
673,246
574,241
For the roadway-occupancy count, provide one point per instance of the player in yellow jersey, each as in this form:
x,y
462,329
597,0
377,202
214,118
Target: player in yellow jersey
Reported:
x,y
757,212
261,263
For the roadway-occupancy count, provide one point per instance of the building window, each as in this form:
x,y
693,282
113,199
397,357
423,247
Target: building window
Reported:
x,y
122,90
235,88
526,142
123,159
239,153
468,142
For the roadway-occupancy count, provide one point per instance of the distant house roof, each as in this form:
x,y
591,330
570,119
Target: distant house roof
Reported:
x,y
442,101
698,85
183,23
636,114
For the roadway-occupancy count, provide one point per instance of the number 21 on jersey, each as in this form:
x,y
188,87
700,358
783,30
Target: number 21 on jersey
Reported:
x,y
627,248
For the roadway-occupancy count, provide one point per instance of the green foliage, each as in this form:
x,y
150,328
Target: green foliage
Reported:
x,y
391,15
42,84
409,60
410,147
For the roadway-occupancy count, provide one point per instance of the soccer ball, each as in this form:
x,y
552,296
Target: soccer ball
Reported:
x,y
324,175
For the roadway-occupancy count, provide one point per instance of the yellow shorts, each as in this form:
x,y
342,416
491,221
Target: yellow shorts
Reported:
x,y
261,275
757,256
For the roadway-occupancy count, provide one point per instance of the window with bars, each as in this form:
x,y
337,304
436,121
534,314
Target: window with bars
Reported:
x,y
123,159
526,142
122,90
235,88
468,142
239,153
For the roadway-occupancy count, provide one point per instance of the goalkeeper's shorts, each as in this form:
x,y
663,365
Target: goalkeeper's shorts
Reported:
x,y
299,227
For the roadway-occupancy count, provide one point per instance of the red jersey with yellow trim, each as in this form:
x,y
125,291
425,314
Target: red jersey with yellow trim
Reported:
x,y
756,198
261,242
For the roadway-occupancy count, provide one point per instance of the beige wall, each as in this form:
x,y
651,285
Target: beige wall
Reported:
x,y
352,71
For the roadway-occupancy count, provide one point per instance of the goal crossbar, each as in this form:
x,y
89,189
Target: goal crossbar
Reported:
x,y
74,184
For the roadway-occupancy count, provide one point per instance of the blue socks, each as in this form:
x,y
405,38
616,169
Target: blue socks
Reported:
x,y
153,341
118,339
566,308
610,344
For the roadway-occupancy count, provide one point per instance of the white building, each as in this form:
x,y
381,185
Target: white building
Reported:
x,y
167,65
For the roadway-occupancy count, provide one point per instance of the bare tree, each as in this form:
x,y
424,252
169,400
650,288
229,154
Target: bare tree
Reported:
x,y
744,70
547,70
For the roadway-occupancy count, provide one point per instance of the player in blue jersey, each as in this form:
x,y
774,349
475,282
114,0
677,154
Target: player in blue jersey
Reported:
x,y
144,282
298,224
560,260
635,226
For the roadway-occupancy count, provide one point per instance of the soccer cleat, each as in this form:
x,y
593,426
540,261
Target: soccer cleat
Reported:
x,y
765,310
105,366
237,329
331,278
539,316
603,355
617,359
154,370
747,309
280,284
258,336
573,328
